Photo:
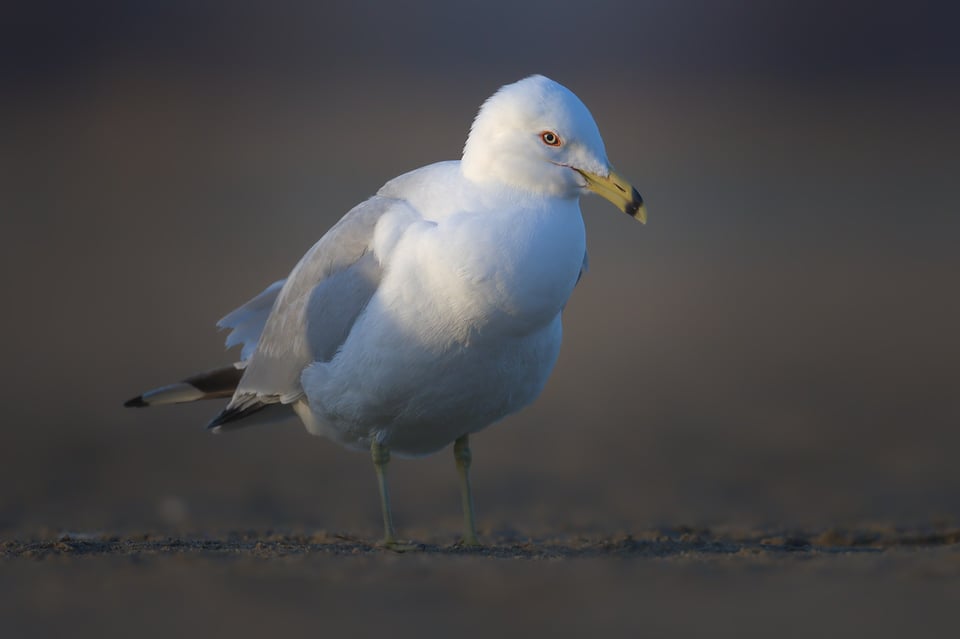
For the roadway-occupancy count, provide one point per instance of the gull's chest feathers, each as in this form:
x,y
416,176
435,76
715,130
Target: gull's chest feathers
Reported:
x,y
476,275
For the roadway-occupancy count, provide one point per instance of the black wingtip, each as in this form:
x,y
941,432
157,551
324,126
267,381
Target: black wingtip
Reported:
x,y
228,415
136,402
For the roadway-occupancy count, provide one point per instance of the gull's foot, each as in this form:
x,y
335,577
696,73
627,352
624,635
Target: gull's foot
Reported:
x,y
397,545
469,542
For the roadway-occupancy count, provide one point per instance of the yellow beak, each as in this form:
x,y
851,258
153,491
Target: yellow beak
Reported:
x,y
618,191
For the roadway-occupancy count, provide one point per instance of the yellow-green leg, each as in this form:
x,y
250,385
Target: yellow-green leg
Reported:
x,y
381,457
461,453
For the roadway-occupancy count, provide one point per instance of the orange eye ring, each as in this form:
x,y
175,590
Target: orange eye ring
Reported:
x,y
550,138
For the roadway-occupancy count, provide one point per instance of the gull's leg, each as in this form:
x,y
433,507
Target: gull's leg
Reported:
x,y
381,457
461,453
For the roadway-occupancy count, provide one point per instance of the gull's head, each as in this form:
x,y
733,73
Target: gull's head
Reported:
x,y
536,135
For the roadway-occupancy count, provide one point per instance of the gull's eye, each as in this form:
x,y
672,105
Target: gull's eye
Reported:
x,y
550,138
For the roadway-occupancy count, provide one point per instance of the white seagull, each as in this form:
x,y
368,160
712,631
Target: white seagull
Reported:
x,y
433,309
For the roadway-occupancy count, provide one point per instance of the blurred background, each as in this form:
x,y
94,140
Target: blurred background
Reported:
x,y
778,345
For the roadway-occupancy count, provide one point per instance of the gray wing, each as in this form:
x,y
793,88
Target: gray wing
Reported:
x,y
313,312
246,323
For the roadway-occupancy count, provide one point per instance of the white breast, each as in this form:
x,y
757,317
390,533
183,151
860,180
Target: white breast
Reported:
x,y
490,274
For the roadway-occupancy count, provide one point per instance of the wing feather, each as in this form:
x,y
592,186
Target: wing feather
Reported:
x,y
246,323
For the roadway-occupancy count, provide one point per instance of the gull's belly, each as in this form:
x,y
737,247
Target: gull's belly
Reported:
x,y
418,397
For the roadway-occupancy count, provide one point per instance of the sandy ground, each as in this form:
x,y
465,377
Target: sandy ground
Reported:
x,y
873,581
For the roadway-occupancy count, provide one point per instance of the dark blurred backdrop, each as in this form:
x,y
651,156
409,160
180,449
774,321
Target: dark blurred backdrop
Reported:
x,y
778,345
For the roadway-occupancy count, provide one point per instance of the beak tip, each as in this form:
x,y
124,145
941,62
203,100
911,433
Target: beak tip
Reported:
x,y
636,209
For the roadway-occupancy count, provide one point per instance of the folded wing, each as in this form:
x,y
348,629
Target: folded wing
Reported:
x,y
313,312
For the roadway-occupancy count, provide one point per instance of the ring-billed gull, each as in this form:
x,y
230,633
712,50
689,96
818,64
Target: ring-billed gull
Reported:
x,y
433,309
